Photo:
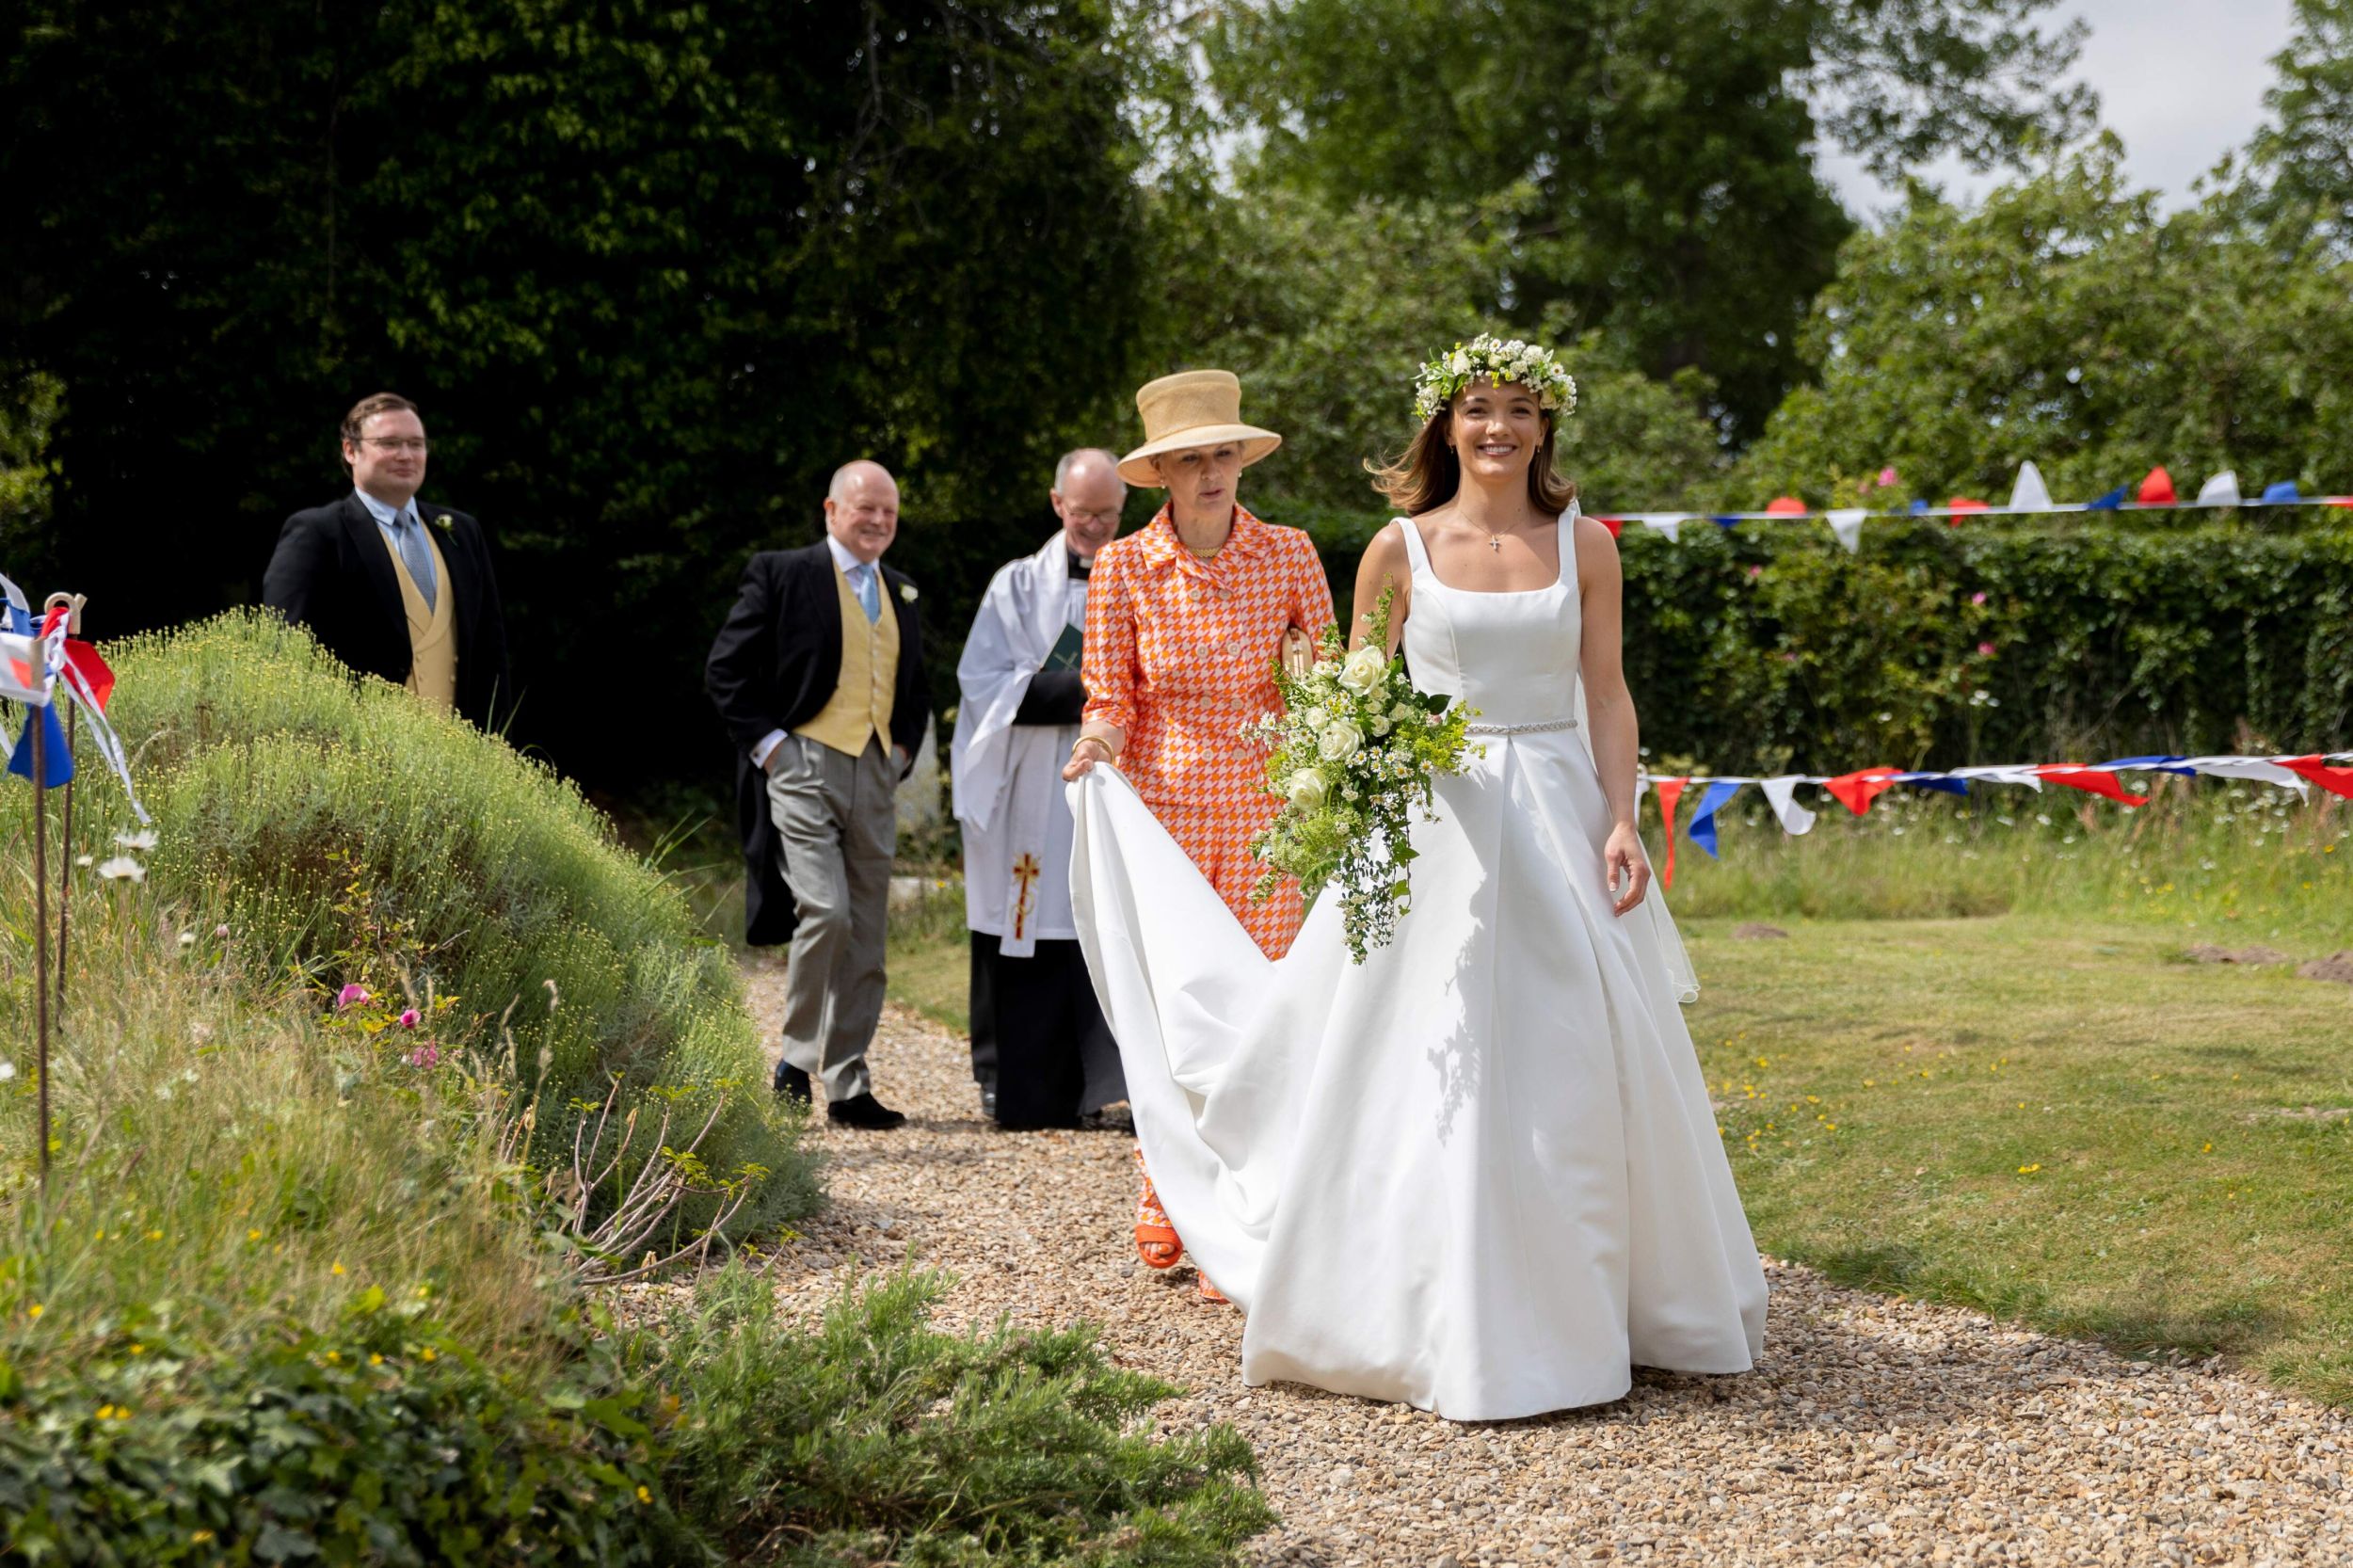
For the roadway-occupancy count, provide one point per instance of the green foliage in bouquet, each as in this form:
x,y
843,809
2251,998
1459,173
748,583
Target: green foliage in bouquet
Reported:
x,y
1356,749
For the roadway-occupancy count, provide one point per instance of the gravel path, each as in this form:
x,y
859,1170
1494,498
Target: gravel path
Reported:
x,y
1877,1430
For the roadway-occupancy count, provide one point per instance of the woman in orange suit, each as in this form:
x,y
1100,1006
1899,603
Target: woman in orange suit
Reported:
x,y
1187,619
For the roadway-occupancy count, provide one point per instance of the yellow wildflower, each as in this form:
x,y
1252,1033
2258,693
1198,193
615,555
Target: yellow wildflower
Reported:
x,y
644,1496
336,1270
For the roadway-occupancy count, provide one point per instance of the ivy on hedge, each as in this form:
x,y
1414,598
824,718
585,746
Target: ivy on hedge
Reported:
x,y
1765,646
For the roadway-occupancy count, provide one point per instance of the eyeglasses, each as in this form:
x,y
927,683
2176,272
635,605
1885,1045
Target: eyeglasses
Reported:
x,y
394,443
1075,515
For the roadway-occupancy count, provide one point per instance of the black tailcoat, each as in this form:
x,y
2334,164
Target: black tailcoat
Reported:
x,y
333,573
775,665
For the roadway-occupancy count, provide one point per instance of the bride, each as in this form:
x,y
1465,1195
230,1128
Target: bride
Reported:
x,y
1477,1173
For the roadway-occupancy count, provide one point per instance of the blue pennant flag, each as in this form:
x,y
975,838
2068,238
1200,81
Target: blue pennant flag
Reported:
x,y
1918,508
2162,764
1943,781
2282,493
56,760
1703,829
1722,521
2110,502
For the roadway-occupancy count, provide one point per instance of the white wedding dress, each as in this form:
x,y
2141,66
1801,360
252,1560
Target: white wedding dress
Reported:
x,y
1479,1173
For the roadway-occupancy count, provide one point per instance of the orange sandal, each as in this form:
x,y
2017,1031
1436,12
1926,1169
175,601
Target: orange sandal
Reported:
x,y
1156,1239
1209,1292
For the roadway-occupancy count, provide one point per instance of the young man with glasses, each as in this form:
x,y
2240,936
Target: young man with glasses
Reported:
x,y
392,587
1041,1052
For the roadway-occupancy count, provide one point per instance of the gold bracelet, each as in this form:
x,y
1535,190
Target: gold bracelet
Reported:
x,y
1108,755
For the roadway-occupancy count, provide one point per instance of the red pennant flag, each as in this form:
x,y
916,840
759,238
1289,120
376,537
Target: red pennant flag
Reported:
x,y
1614,524
1670,792
1784,505
2098,781
1856,790
2337,781
2157,490
93,669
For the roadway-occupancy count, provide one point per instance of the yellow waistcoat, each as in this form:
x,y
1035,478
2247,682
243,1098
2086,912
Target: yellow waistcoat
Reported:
x,y
432,640
860,706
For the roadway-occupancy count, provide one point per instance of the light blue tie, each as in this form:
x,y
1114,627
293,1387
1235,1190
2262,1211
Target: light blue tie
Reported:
x,y
869,595
418,557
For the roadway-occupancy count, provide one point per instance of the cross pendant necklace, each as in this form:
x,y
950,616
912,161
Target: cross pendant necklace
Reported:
x,y
1494,542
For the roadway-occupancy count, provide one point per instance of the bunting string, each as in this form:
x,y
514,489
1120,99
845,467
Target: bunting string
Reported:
x,y
2030,496
2330,771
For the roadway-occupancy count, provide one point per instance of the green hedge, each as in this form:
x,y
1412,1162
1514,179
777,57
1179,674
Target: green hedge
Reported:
x,y
1767,645
281,784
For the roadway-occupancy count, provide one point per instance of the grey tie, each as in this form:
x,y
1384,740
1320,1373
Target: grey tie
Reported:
x,y
417,554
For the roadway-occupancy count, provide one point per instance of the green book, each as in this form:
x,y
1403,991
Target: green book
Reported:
x,y
1066,654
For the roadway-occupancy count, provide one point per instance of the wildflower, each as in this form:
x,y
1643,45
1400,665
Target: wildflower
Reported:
x,y
429,1353
352,995
187,938
336,1270
221,931
427,1055
409,1018
644,1496
375,1359
34,1311
7,1071
1986,648
2029,1170
1977,598
1887,477
143,840
253,1234
200,1537
122,866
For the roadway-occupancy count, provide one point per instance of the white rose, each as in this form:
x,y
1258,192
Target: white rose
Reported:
x,y
1362,670
1380,724
1315,719
1340,741
1305,789
1401,713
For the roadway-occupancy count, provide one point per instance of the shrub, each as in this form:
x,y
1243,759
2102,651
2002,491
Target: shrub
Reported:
x,y
385,1440
879,1439
1766,646
281,785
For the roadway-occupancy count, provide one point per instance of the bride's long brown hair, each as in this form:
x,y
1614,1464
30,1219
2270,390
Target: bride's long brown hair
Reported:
x,y
1428,473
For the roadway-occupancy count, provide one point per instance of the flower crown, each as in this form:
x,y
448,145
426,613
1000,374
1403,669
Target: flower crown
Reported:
x,y
1488,357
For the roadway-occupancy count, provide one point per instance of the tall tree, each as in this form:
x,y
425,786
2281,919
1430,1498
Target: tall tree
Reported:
x,y
2306,153
1670,147
651,270
2069,321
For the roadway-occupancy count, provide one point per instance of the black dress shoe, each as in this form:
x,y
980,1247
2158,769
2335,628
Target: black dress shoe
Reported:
x,y
863,1110
792,1083
988,1100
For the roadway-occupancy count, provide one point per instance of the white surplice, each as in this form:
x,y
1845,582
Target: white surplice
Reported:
x,y
1007,779
1479,1173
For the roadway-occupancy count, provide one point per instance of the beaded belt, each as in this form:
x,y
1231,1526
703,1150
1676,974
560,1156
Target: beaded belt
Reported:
x,y
1539,728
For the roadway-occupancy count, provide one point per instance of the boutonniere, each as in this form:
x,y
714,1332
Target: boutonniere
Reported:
x,y
907,592
441,520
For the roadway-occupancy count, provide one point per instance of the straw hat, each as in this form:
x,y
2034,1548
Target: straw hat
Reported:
x,y
1192,408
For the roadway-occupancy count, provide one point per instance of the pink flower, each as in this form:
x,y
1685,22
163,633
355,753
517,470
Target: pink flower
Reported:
x,y
221,932
1887,477
1755,572
1977,598
351,996
427,1055
1986,648
409,1019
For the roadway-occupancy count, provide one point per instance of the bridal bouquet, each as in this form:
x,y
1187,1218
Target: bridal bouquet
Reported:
x,y
1356,749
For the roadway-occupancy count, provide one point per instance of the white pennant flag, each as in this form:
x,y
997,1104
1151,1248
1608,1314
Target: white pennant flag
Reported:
x,y
1795,819
2253,768
2220,490
2007,773
27,668
1848,524
2030,494
1667,523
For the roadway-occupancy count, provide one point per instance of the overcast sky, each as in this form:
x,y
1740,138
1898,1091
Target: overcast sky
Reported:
x,y
2180,81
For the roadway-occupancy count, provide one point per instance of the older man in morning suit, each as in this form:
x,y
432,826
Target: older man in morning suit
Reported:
x,y
392,586
819,675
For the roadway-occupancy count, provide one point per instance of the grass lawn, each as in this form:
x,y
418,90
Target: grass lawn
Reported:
x,y
2053,1119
